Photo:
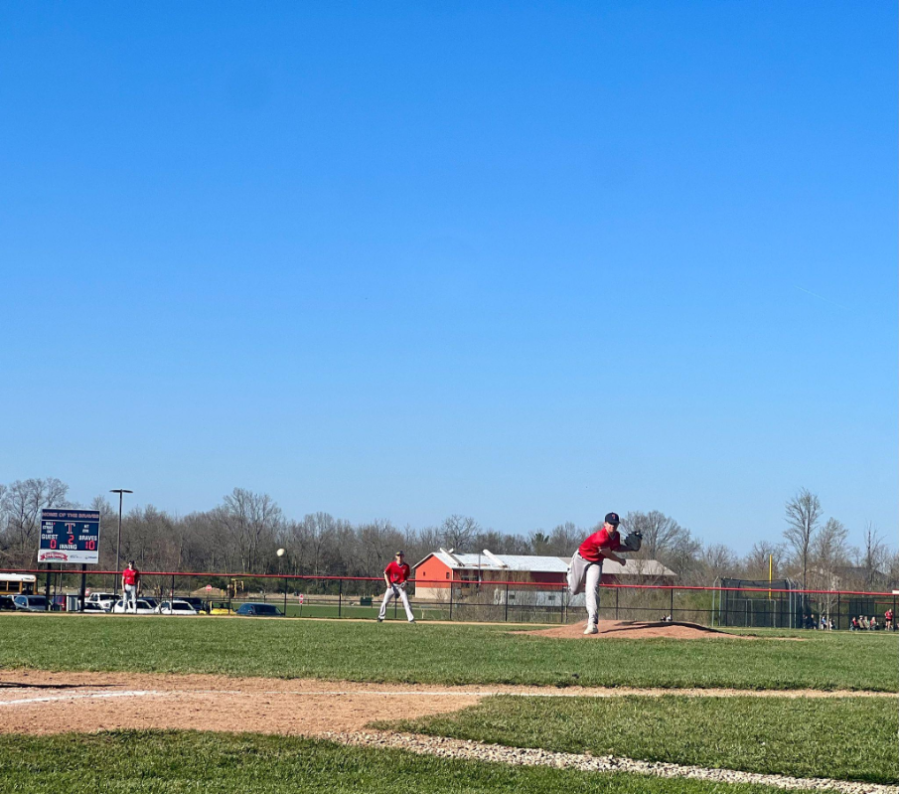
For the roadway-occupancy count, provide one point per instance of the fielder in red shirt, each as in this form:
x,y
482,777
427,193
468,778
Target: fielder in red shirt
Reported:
x,y
131,583
396,575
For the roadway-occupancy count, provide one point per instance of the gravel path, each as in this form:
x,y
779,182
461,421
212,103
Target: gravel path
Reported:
x,y
468,749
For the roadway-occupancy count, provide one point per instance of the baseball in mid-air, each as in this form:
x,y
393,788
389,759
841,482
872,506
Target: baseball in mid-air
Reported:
x,y
280,552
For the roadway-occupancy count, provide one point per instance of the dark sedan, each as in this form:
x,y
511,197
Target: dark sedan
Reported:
x,y
258,609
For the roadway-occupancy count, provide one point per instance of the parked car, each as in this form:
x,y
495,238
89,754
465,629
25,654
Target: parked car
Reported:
x,y
196,602
7,603
144,608
101,599
258,609
94,607
31,604
177,607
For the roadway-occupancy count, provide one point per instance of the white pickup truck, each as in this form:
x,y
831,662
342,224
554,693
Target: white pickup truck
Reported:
x,y
100,602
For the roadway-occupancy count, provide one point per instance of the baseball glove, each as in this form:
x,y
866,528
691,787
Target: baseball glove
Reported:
x,y
633,541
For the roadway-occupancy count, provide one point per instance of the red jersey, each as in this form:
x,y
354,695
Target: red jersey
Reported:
x,y
592,547
398,573
888,615
128,576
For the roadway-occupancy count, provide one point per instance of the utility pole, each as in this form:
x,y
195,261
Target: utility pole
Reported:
x,y
120,492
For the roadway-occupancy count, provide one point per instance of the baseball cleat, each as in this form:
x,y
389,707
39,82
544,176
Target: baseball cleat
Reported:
x,y
591,629
379,620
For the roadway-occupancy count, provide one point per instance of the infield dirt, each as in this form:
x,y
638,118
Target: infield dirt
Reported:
x,y
39,702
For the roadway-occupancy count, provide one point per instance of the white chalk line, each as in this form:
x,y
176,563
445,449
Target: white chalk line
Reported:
x,y
451,748
454,693
77,696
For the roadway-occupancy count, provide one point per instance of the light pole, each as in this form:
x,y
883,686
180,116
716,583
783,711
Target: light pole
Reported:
x,y
280,553
120,492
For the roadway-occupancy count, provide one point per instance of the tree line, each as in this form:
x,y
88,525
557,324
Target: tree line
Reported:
x,y
243,533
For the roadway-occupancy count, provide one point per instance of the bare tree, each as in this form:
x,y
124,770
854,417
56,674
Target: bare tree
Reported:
x,y
718,561
253,521
319,530
873,558
22,504
459,531
802,514
756,562
828,550
661,533
565,538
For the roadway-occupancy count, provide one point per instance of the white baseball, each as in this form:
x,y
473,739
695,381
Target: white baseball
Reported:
x,y
280,552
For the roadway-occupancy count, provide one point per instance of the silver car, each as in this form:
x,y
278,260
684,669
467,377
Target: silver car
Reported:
x,y
176,607
144,608
31,604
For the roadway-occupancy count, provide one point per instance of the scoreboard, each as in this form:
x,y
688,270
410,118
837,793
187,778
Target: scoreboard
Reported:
x,y
69,536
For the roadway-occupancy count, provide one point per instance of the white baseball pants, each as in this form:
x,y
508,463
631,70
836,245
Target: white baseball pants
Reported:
x,y
131,597
583,575
401,590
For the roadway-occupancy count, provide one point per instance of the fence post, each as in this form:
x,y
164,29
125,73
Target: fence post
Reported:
x,y
284,582
837,623
506,603
47,586
83,584
617,604
672,603
451,600
562,606
340,596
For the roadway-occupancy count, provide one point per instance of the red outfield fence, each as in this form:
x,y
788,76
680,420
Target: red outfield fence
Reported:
x,y
482,600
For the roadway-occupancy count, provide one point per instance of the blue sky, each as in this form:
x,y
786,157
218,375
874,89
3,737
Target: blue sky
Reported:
x,y
524,262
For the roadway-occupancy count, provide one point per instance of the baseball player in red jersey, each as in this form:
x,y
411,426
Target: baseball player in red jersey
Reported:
x,y
396,575
587,564
131,582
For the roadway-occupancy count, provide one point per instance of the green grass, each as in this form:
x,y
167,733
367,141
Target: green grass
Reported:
x,y
843,738
439,653
206,762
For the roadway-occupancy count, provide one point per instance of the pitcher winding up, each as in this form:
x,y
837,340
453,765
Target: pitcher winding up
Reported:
x,y
587,564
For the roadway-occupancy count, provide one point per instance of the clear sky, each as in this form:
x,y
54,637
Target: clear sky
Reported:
x,y
524,262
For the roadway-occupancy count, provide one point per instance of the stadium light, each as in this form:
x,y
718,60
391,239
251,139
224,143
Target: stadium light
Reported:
x,y
120,492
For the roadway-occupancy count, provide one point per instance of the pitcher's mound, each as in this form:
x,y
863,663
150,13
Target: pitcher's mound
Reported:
x,y
635,630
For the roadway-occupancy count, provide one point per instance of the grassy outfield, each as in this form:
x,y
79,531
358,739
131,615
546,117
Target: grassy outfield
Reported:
x,y
844,738
206,762
439,653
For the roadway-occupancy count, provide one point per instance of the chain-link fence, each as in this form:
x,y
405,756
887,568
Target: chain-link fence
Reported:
x,y
729,603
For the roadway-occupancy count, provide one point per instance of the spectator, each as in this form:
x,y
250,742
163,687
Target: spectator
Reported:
x,y
889,619
863,622
854,624
823,622
873,624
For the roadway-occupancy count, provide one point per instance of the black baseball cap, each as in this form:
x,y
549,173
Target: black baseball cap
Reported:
x,y
399,555
612,518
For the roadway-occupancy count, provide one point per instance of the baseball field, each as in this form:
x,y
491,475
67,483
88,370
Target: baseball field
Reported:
x,y
154,704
